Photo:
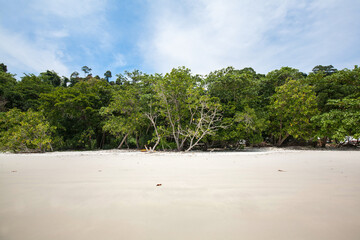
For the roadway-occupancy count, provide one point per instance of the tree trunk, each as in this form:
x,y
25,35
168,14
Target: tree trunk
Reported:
x,y
281,140
102,143
152,119
122,141
323,142
137,141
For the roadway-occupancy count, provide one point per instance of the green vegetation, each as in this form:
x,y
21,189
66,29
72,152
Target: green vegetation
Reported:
x,y
25,131
291,109
178,110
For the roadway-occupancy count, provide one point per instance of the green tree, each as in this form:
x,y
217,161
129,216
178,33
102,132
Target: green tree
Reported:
x,y
74,78
129,77
335,86
327,70
342,121
107,75
124,114
133,110
249,125
3,67
65,81
241,109
7,90
50,77
75,113
24,131
188,113
86,70
292,107
27,92
275,79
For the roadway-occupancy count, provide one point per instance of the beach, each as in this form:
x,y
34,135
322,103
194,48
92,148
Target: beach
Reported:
x,y
133,195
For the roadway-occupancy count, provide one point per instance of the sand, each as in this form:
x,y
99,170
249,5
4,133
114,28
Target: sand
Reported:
x,y
114,195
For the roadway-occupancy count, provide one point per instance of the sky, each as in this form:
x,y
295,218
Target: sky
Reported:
x,y
155,36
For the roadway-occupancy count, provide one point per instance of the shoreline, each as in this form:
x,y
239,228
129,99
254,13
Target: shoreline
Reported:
x,y
253,150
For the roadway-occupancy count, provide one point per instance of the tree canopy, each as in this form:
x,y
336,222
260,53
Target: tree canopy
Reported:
x,y
179,110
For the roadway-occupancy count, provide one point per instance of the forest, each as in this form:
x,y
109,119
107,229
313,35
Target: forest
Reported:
x,y
226,109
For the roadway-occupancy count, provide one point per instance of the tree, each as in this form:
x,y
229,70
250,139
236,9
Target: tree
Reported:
x,y
129,77
86,70
340,122
7,90
123,115
249,125
107,75
65,81
327,70
238,94
3,68
132,111
75,113
236,87
335,86
74,75
277,78
188,113
27,92
25,131
292,107
205,119
74,78
50,77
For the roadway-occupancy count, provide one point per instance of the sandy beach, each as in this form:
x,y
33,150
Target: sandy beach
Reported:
x,y
278,195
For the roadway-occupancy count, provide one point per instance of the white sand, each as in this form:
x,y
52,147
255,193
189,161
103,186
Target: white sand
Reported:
x,y
113,195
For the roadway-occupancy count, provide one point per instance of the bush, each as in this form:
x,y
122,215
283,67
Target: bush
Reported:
x,y
24,131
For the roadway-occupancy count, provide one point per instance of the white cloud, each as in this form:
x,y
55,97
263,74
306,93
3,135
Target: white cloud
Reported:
x,y
80,17
119,61
19,53
53,34
211,34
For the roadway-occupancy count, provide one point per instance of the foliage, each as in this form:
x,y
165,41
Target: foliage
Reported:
x,y
125,116
335,86
235,87
276,79
107,75
327,70
50,77
27,92
179,110
250,125
7,90
74,78
341,122
25,131
75,112
189,115
86,70
3,67
238,94
292,107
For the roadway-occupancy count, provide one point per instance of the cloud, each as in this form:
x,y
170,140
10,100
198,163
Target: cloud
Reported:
x,y
157,35
21,53
119,61
52,34
207,35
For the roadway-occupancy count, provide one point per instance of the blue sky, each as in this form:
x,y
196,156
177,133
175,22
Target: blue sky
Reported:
x,y
157,35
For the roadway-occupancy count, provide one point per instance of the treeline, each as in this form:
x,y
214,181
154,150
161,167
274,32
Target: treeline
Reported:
x,y
178,110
